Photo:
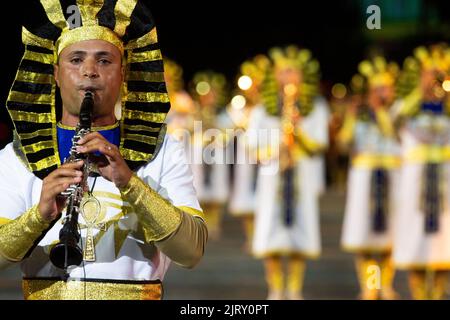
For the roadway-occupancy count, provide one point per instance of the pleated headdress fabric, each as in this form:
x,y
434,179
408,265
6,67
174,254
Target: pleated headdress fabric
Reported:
x,y
49,26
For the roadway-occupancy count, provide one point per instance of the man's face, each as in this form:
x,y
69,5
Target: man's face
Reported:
x,y
94,65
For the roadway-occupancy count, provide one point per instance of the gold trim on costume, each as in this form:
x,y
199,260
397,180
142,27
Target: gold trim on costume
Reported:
x,y
18,236
42,132
146,116
145,40
370,161
134,155
122,13
428,153
45,163
89,10
4,221
37,98
30,39
158,217
366,249
39,57
140,128
142,138
100,128
152,55
35,147
37,289
55,12
145,76
30,116
33,77
147,97
69,37
193,212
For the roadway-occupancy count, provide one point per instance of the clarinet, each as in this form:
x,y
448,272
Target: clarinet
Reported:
x,y
67,252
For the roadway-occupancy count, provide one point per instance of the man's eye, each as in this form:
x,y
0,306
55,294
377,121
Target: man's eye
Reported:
x,y
104,61
75,60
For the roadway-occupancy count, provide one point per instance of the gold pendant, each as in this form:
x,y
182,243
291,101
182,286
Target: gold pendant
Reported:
x,y
90,210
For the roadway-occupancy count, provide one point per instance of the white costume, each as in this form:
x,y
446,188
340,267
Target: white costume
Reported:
x,y
272,235
371,150
415,248
120,250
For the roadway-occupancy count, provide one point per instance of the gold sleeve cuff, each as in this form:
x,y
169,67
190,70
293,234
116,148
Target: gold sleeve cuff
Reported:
x,y
157,215
18,236
311,146
411,103
187,244
345,135
384,122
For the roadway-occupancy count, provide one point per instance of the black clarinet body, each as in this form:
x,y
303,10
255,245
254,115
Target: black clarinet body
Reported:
x,y
67,251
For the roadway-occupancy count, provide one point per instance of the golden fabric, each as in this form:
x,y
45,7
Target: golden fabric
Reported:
x,y
146,116
148,97
133,155
345,135
39,57
18,236
384,123
370,161
295,276
310,145
147,39
30,39
89,10
55,12
33,98
93,129
32,77
69,37
122,12
158,216
152,55
427,154
42,289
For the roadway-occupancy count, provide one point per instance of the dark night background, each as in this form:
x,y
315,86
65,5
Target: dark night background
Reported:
x,y
221,35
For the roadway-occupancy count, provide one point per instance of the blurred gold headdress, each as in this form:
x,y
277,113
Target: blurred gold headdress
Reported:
x,y
256,69
378,72
173,74
205,81
435,57
301,60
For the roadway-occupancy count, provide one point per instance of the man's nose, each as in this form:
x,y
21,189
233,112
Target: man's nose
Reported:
x,y
89,69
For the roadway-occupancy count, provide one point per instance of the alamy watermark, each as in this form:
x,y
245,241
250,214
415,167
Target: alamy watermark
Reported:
x,y
374,19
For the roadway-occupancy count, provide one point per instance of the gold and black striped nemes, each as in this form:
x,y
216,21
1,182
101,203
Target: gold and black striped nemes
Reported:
x,y
49,28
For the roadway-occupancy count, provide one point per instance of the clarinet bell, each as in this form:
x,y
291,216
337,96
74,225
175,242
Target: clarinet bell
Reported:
x,y
65,255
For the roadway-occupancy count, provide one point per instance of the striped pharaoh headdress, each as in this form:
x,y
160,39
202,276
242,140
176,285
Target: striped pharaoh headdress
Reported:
x,y
49,27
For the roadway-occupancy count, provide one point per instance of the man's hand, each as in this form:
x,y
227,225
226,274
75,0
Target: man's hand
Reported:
x,y
50,203
112,167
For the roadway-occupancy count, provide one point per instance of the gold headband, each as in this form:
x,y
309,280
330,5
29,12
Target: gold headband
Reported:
x,y
69,37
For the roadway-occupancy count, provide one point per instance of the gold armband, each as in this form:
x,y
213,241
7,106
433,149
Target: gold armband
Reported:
x,y
18,236
157,215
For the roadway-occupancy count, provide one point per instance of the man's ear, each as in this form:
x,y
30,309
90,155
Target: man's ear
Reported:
x,y
55,74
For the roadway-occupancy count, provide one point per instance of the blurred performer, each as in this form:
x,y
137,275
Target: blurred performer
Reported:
x,y
180,119
373,177
242,109
210,169
291,132
337,159
422,237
